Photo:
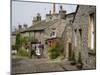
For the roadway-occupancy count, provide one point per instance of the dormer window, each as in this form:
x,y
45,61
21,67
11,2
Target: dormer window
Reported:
x,y
53,34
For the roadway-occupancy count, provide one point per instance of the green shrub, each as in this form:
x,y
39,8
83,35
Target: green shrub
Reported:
x,y
55,51
23,52
24,40
18,41
13,47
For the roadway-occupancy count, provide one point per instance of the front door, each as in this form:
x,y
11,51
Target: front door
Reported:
x,y
70,50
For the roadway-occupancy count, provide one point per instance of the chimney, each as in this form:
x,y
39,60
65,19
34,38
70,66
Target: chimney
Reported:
x,y
62,13
25,26
61,8
19,27
54,8
38,17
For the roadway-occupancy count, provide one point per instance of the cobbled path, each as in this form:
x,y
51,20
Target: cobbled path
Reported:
x,y
20,66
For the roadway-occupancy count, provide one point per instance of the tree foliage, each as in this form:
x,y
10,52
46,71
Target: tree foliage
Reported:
x,y
24,40
18,41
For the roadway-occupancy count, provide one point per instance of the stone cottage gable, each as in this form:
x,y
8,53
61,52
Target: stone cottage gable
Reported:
x,y
57,27
67,35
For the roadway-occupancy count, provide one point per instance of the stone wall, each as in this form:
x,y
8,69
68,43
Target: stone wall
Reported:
x,y
80,29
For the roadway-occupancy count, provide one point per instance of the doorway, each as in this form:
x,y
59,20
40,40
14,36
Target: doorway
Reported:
x,y
70,50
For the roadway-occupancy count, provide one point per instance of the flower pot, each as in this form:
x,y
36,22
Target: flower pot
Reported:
x,y
73,63
79,66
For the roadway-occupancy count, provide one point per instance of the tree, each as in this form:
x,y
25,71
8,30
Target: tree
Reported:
x,y
18,41
24,40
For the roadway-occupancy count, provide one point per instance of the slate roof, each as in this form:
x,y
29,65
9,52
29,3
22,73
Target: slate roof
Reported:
x,y
52,14
40,26
13,33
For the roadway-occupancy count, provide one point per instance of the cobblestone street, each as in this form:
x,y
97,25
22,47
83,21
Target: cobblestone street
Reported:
x,y
40,65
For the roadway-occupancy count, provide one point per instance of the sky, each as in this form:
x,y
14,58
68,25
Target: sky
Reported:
x,y
23,12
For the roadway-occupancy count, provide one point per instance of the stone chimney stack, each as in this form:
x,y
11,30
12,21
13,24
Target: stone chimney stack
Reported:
x,y
25,26
38,17
62,13
61,8
19,27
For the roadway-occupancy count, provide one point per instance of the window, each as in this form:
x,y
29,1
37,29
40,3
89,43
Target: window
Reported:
x,y
91,32
75,37
80,39
53,34
80,31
